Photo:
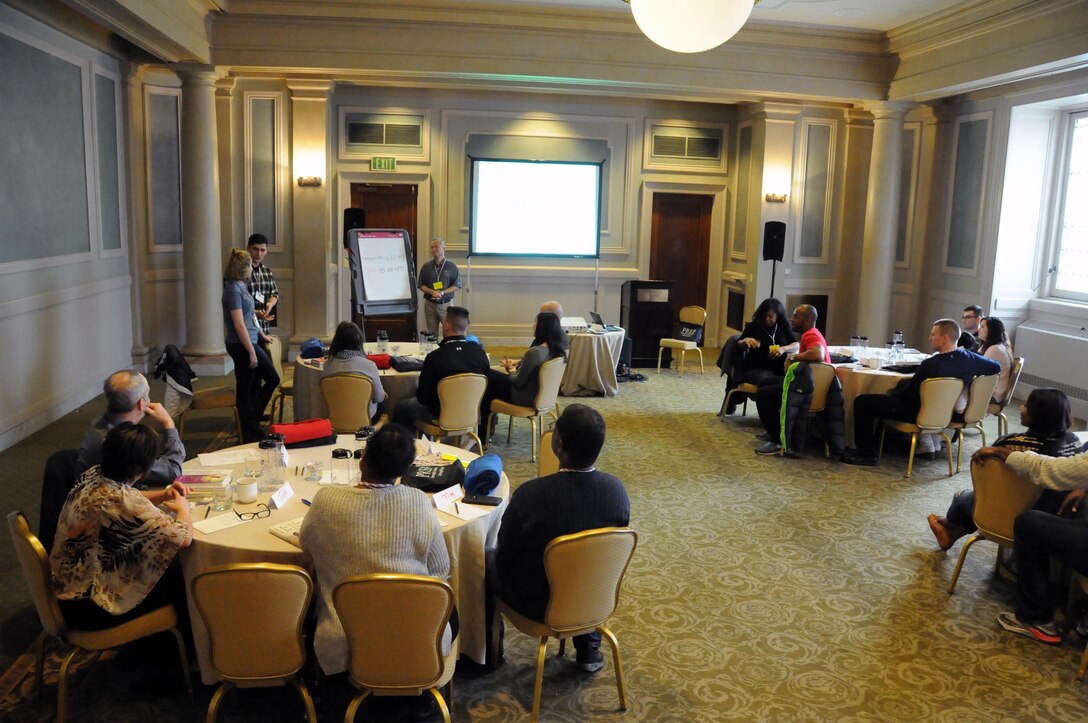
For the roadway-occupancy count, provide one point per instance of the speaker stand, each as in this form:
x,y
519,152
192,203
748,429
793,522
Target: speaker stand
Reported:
x,y
774,270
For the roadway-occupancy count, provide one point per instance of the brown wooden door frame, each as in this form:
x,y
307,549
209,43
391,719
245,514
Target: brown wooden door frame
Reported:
x,y
691,218
390,205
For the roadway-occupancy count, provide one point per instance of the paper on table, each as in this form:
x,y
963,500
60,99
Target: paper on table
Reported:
x,y
225,457
217,523
465,511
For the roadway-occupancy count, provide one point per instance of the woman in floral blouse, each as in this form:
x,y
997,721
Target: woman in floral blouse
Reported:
x,y
114,547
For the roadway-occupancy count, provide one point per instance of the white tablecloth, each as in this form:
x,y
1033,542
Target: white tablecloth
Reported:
x,y
310,404
858,380
252,542
591,365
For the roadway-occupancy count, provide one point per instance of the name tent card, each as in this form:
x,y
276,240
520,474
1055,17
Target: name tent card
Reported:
x,y
280,496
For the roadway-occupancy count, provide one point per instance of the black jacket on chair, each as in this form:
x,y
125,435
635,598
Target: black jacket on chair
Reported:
x,y
830,422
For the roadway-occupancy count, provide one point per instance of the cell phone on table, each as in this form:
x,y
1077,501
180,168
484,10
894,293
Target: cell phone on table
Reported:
x,y
482,500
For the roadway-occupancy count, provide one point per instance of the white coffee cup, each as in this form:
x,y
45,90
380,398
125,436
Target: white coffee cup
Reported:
x,y
246,492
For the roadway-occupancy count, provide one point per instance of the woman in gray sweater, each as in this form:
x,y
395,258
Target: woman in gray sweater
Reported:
x,y
346,355
376,526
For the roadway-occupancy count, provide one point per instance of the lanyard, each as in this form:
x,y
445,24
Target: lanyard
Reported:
x,y
438,269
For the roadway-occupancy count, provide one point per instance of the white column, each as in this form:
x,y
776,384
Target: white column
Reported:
x,y
881,218
203,259
133,119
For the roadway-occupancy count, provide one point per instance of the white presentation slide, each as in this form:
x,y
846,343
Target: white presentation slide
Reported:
x,y
534,208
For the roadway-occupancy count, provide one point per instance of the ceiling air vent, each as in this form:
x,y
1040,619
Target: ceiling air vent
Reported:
x,y
690,146
378,131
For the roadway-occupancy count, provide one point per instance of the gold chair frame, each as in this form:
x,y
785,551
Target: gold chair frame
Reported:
x,y
245,650
939,396
347,396
1000,495
389,659
459,398
39,579
999,409
585,571
547,398
688,315
287,386
978,401
213,398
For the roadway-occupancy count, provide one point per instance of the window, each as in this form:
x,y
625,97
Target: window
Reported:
x,y
1071,254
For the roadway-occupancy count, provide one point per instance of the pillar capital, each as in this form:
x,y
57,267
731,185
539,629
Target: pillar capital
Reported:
x,y
888,109
195,74
769,110
310,88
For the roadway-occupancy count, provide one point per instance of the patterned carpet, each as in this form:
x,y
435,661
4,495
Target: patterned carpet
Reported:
x,y
763,589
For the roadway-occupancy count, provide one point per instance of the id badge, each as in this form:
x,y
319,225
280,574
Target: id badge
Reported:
x,y
438,286
259,297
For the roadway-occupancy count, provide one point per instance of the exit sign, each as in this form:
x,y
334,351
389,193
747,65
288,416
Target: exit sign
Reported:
x,y
383,163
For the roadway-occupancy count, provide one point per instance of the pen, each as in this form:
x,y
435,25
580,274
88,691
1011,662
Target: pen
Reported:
x,y
305,501
456,508
206,511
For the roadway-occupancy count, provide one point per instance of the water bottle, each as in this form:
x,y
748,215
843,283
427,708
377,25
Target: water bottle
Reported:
x,y
864,342
273,462
383,342
341,466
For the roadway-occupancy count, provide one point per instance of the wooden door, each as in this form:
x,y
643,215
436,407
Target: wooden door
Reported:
x,y
389,205
680,244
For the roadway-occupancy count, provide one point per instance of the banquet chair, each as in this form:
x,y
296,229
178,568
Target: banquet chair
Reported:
x,y
823,376
212,398
978,400
999,409
1000,495
547,394
263,647
743,388
403,658
547,463
287,386
39,579
347,395
584,572
939,397
692,319
459,397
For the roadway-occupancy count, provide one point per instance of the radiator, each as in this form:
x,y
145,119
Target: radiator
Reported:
x,y
1055,355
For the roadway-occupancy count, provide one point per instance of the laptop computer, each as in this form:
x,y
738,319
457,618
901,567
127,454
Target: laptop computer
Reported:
x,y
598,324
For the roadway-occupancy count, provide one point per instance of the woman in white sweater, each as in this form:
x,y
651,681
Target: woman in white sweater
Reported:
x,y
995,345
376,526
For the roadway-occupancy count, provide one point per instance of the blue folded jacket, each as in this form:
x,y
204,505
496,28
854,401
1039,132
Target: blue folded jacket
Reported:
x,y
483,473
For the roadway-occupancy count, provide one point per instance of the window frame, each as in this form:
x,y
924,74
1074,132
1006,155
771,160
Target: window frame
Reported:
x,y
1069,117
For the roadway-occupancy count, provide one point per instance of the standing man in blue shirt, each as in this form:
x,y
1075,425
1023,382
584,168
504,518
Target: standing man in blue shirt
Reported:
x,y
438,280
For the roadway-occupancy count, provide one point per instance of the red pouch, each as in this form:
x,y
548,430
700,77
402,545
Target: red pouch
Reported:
x,y
305,433
380,360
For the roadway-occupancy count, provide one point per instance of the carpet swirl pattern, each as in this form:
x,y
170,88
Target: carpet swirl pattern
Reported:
x,y
762,589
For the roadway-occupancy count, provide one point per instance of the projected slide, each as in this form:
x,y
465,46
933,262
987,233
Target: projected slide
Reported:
x,y
530,208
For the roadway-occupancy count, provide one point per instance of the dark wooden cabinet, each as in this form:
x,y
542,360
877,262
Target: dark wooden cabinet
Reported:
x,y
647,313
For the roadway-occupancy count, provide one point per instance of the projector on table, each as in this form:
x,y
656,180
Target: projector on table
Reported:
x,y
574,325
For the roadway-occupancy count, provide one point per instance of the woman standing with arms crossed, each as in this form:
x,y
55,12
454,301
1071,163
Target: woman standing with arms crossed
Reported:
x,y
254,372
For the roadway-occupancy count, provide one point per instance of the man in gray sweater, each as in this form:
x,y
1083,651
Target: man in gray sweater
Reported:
x,y
1039,536
576,498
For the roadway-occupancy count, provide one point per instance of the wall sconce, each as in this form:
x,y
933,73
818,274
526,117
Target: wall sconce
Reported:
x,y
311,181
775,198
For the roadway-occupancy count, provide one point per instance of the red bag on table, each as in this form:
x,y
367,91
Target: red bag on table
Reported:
x,y
310,433
380,360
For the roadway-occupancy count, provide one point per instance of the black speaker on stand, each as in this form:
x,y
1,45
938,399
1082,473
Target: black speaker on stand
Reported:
x,y
774,246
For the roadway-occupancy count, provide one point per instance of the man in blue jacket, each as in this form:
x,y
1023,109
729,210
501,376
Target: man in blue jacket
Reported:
x,y
903,402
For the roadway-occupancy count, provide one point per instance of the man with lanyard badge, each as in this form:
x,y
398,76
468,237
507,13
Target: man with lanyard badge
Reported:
x,y
438,280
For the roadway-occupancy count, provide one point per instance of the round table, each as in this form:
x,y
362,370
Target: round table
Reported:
x,y
252,542
310,404
857,380
591,364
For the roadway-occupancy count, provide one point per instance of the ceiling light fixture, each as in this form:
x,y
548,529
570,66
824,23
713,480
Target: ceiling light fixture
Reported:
x,y
690,26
